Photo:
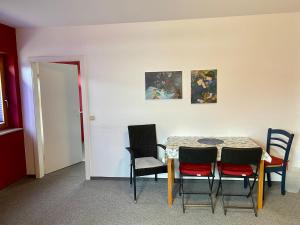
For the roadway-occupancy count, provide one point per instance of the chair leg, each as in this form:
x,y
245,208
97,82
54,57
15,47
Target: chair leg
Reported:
x,y
269,179
252,186
223,204
283,182
250,192
134,187
182,193
130,174
217,193
155,177
210,185
245,182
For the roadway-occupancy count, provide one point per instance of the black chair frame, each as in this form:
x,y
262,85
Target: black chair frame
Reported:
x,y
198,155
240,156
143,143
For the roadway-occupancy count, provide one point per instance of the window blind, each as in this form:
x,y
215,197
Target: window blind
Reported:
x,y
1,106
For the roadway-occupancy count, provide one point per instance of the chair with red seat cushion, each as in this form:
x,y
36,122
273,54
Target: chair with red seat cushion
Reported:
x,y
236,170
197,162
238,162
282,140
193,169
276,161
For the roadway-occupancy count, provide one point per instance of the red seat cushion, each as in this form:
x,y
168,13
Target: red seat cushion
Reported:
x,y
235,170
275,162
194,169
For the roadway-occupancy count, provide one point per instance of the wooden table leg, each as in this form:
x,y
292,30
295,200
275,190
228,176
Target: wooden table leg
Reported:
x,y
170,181
260,185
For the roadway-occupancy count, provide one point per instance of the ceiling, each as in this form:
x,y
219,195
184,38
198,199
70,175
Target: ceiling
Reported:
x,y
43,13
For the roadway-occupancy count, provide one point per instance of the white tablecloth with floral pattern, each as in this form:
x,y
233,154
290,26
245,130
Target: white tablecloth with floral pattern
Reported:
x,y
174,142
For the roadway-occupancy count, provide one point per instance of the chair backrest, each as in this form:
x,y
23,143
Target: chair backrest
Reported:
x,y
197,155
142,139
281,139
241,156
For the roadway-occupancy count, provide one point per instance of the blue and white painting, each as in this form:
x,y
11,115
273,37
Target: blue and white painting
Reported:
x,y
163,85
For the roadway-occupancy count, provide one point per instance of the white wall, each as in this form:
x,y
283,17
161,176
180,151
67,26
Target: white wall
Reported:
x,y
258,62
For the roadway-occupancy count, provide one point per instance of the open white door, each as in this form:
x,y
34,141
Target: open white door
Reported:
x,y
59,112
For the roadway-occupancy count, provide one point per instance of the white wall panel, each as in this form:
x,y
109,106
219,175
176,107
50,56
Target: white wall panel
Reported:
x,y
257,58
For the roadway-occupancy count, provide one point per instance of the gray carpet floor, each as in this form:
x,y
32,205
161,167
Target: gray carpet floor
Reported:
x,y
64,197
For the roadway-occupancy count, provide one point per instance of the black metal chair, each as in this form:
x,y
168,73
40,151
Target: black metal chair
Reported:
x,y
143,153
197,162
237,163
282,140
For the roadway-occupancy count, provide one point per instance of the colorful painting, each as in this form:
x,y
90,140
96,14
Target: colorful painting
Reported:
x,y
204,86
163,85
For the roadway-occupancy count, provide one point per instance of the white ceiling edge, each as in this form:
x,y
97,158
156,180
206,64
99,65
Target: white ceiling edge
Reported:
x,y
36,13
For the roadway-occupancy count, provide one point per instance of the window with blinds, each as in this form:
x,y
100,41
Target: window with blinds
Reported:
x,y
3,106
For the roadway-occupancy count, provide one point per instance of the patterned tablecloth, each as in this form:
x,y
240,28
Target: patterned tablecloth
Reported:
x,y
174,142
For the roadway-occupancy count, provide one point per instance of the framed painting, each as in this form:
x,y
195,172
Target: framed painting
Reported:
x,y
203,86
163,85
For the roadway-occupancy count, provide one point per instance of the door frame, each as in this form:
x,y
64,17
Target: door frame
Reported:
x,y
38,146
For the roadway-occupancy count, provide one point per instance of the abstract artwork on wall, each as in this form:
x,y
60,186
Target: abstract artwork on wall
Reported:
x,y
204,86
163,85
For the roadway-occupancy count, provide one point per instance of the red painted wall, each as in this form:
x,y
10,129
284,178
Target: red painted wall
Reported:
x,y
12,158
12,151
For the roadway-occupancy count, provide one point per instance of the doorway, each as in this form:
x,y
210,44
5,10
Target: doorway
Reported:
x,y
59,108
77,64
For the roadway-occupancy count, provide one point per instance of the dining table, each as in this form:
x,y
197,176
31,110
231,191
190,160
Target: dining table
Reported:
x,y
174,142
